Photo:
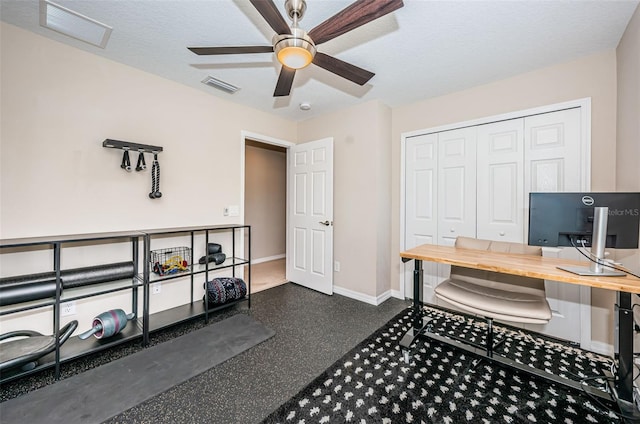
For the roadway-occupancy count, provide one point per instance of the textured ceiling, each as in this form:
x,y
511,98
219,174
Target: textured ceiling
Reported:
x,y
425,49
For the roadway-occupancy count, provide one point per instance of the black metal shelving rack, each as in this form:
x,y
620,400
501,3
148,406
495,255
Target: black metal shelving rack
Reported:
x,y
143,326
74,347
195,308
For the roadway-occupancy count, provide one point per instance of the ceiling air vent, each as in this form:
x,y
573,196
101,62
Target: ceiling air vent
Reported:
x,y
73,24
220,85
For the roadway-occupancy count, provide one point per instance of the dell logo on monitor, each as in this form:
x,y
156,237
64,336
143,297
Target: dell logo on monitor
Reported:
x,y
587,200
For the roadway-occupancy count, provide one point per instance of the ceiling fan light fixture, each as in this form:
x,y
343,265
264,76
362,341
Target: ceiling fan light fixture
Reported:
x,y
294,50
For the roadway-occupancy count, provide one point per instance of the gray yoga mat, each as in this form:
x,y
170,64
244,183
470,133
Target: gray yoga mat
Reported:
x,y
105,391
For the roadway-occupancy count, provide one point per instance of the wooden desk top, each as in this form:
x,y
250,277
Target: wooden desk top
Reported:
x,y
525,265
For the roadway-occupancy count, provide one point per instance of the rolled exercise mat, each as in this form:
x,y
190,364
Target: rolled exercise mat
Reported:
x,y
25,288
225,289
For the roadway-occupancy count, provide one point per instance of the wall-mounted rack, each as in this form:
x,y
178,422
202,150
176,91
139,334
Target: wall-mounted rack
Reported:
x,y
134,147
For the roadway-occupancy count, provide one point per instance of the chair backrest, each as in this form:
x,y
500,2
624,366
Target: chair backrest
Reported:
x,y
496,279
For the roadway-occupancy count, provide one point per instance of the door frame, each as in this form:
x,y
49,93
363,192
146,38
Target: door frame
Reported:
x,y
261,138
585,180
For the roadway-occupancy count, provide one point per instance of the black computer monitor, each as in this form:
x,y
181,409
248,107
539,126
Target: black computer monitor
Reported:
x,y
557,219
567,219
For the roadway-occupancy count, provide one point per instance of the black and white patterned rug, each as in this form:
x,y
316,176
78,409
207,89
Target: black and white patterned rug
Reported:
x,y
441,384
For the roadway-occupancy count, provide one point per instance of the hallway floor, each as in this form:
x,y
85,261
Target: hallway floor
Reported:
x,y
267,275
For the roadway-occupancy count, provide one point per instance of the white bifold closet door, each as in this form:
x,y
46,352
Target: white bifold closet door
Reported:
x,y
475,181
553,163
421,214
501,181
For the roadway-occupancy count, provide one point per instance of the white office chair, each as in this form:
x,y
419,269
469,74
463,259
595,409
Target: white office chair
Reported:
x,y
495,295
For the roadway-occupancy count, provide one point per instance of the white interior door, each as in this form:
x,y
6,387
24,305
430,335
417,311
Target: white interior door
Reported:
x,y
310,215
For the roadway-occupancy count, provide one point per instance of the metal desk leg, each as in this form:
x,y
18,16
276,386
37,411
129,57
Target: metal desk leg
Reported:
x,y
419,320
622,383
624,351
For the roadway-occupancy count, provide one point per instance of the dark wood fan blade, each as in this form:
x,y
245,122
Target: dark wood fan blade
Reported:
x,y
270,13
285,81
231,50
353,16
345,70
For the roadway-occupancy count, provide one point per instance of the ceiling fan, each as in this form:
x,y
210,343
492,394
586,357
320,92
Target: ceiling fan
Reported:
x,y
295,48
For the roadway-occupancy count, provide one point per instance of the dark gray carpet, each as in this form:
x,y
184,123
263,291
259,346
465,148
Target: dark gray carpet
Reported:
x,y
108,390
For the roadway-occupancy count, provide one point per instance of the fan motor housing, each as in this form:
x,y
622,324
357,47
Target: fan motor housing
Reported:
x,y
295,8
297,40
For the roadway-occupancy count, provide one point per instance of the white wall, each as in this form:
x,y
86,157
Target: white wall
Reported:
x,y
361,194
628,128
58,105
628,124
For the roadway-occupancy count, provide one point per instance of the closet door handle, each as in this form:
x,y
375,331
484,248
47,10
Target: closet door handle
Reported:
x,y
325,223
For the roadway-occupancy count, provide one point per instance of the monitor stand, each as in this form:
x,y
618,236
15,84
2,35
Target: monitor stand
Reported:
x,y
598,242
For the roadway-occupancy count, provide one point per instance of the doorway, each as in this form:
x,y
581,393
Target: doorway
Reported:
x,y
265,209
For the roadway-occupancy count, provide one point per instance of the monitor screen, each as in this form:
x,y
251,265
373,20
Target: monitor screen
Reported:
x,y
557,219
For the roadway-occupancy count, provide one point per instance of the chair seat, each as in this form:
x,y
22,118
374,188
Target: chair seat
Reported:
x,y
523,306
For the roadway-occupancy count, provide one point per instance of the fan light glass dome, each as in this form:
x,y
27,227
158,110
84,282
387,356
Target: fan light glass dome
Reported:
x,y
295,57
294,50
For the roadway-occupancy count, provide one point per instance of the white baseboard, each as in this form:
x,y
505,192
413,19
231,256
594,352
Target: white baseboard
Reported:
x,y
267,259
397,294
372,300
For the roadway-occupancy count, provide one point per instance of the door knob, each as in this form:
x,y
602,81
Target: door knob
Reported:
x,y
325,223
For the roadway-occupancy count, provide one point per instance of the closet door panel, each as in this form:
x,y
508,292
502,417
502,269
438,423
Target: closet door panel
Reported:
x,y
421,226
553,152
420,187
456,185
500,203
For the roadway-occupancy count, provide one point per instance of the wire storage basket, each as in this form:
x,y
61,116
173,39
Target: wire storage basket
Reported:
x,y
172,260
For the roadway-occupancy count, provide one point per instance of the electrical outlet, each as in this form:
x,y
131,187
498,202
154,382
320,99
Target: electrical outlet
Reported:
x,y
231,210
336,266
156,288
68,308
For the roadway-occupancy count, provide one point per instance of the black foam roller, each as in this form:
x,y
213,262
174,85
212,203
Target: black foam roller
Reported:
x,y
22,289
25,288
97,274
